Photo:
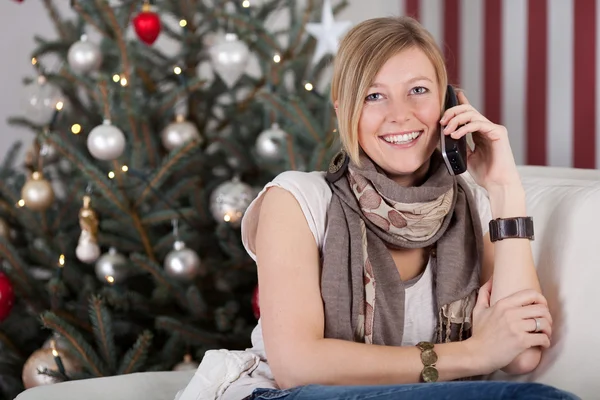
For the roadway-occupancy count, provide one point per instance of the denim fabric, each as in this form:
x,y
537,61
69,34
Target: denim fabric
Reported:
x,y
478,390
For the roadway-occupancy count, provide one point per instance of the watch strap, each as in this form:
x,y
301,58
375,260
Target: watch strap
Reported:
x,y
507,228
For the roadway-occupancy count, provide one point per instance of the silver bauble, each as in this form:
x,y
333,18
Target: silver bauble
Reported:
x,y
182,263
41,98
188,364
229,57
84,56
106,142
229,201
37,193
112,264
178,133
43,359
49,153
270,144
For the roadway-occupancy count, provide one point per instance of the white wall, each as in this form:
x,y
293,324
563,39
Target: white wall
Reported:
x,y
19,22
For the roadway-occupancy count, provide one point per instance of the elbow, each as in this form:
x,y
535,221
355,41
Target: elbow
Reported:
x,y
525,362
291,368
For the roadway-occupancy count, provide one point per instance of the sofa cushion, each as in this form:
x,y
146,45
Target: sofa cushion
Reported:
x,y
565,205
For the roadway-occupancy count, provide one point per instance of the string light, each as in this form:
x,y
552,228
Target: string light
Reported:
x,y
110,279
227,218
59,105
246,3
124,168
33,61
182,23
61,260
116,77
111,174
277,58
21,203
308,86
123,81
76,129
177,70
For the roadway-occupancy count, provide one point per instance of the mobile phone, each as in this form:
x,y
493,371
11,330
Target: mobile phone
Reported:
x,y
454,151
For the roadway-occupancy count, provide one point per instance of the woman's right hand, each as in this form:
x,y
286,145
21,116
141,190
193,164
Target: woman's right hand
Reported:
x,y
503,331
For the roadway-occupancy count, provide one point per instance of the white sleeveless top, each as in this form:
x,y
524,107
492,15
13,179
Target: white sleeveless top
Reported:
x,y
313,194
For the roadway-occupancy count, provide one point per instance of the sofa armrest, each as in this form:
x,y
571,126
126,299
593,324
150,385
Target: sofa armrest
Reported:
x,y
138,386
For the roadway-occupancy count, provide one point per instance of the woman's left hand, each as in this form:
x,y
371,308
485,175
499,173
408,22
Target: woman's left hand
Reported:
x,y
491,163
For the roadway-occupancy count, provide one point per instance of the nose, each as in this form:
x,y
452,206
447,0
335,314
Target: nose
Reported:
x,y
399,110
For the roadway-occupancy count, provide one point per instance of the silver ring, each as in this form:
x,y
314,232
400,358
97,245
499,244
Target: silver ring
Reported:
x,y
538,325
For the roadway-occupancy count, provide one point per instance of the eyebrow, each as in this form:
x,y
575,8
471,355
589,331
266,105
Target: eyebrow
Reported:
x,y
416,78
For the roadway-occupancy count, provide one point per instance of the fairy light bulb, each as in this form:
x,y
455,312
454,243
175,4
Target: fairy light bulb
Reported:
x,y
116,78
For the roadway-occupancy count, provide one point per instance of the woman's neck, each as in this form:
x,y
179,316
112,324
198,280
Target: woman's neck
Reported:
x,y
416,178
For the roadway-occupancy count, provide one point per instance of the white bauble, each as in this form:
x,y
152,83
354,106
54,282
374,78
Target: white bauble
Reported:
x,y
84,56
229,201
270,143
106,142
40,100
229,57
178,133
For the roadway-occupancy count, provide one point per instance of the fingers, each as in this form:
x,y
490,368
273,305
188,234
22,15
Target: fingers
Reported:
x,y
529,325
522,298
461,119
537,339
533,311
454,111
483,297
462,97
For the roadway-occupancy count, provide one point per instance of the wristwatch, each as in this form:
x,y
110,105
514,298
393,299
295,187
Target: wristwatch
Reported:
x,y
507,228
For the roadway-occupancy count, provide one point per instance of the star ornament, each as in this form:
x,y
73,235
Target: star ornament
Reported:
x,y
327,33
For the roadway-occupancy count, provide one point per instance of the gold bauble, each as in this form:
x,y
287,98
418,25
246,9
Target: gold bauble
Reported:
x,y
43,359
37,193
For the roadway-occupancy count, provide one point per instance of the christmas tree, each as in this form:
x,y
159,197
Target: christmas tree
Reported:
x,y
120,235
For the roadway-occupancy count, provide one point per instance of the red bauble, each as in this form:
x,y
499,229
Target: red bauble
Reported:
x,y
7,296
147,25
255,305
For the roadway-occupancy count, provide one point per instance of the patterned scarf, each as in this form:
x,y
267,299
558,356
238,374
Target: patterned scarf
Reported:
x,y
369,213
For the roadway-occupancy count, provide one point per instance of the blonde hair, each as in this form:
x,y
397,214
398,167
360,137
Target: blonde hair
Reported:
x,y
362,53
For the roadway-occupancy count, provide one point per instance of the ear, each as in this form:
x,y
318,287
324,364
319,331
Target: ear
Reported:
x,y
335,107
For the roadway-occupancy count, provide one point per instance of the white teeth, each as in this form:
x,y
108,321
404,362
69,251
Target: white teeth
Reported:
x,y
402,139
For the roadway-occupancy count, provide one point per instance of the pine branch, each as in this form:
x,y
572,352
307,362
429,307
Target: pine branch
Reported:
x,y
191,87
102,184
80,347
86,16
159,275
166,216
192,336
21,277
7,343
102,322
292,112
8,165
136,356
169,166
55,16
196,304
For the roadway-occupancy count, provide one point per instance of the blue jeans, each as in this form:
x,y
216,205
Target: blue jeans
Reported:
x,y
463,390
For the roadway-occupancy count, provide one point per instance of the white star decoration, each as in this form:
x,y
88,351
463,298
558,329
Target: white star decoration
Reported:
x,y
327,33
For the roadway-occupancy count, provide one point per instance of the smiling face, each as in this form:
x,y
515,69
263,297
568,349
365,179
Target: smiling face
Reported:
x,y
399,123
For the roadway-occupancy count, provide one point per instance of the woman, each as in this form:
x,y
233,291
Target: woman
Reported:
x,y
381,274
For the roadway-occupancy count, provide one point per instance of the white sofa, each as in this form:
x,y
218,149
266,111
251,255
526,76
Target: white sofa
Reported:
x,y
565,205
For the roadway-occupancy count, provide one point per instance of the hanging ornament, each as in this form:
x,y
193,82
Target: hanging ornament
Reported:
x,y
50,359
56,341
7,296
327,33
179,132
229,201
255,303
188,364
229,57
112,264
49,153
147,24
183,263
84,56
87,250
270,143
41,99
37,193
106,142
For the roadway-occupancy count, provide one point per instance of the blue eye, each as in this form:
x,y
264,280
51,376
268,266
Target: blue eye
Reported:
x,y
419,90
373,97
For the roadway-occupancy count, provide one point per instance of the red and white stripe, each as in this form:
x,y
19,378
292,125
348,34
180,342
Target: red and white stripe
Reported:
x,y
531,65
